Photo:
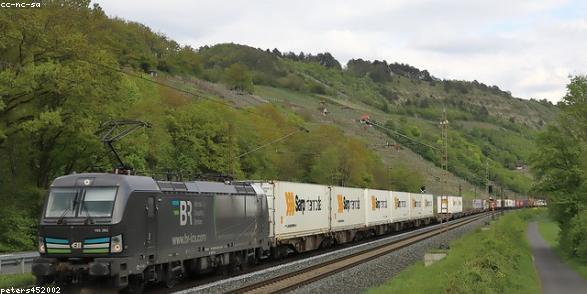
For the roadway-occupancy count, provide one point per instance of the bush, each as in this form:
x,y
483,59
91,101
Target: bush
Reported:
x,y
293,82
317,88
577,236
415,131
238,77
17,230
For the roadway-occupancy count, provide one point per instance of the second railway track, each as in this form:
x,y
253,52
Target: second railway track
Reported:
x,y
322,270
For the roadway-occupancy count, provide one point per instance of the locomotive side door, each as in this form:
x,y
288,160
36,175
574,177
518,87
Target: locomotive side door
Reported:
x,y
151,236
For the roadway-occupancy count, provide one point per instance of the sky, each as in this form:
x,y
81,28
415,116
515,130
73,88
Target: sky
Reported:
x,y
527,47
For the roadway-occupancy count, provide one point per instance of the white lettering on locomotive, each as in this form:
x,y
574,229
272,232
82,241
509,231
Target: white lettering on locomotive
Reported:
x,y
185,213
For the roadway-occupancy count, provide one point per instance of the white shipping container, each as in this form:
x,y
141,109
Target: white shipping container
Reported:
x,y
477,204
378,206
415,206
348,208
511,203
427,205
401,207
297,209
455,204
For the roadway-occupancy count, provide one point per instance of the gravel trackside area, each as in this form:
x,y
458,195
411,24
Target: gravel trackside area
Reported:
x,y
355,279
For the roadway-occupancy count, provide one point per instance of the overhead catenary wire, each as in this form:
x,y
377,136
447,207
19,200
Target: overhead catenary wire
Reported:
x,y
400,134
300,128
370,122
271,142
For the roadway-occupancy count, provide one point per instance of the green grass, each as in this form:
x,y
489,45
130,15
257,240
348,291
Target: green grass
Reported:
x,y
549,231
497,260
16,280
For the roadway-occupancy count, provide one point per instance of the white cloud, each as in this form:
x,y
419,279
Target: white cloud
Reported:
x,y
527,47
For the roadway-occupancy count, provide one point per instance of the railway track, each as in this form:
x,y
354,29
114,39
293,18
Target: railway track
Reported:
x,y
320,271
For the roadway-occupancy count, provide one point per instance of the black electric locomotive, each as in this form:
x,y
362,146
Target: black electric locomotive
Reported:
x,y
124,230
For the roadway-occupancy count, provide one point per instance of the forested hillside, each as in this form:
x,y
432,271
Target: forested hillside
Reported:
x,y
67,68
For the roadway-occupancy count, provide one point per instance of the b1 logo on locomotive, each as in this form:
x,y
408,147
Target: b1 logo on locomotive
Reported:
x,y
183,209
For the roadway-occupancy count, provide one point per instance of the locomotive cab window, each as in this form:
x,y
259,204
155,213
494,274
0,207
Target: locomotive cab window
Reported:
x,y
62,202
98,202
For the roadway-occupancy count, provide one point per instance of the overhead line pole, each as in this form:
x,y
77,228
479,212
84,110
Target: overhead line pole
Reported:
x,y
443,162
444,165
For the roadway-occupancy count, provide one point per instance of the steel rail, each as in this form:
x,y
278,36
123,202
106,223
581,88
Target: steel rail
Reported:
x,y
320,271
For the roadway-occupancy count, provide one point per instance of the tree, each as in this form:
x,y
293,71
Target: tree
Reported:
x,y
325,59
377,70
238,77
560,166
55,89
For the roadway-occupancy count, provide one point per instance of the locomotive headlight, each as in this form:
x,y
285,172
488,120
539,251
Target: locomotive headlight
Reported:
x,y
116,244
41,245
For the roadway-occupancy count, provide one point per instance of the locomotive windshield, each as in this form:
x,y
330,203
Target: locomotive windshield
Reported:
x,y
75,202
98,202
62,202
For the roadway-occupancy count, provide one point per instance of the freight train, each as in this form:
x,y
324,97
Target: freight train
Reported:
x,y
125,230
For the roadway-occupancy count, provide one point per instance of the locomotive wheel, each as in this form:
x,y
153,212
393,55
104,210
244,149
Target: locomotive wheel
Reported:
x,y
136,284
44,280
237,263
63,281
171,282
249,260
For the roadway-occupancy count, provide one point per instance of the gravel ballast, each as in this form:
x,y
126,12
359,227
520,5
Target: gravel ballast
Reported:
x,y
378,271
353,280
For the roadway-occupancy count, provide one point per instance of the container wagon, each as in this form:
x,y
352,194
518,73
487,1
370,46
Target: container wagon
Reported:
x,y
379,210
401,208
454,204
299,215
421,210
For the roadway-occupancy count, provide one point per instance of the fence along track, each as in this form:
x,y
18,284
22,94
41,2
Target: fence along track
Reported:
x,y
320,271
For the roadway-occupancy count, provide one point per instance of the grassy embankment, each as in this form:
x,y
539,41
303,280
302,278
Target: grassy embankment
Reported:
x,y
549,231
497,260
16,280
